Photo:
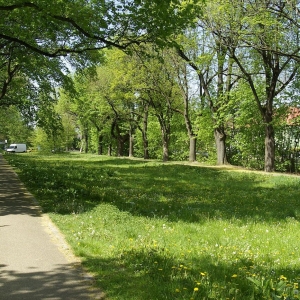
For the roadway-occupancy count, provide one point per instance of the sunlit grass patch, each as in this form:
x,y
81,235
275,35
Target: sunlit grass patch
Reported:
x,y
149,230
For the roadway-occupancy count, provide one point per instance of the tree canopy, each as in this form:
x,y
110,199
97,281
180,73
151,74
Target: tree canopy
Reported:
x,y
242,57
69,33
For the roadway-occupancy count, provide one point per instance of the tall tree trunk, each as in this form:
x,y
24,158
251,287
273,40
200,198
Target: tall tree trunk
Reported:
x,y
270,148
165,150
165,134
109,150
100,144
121,140
144,133
220,139
193,143
146,147
120,148
86,138
189,127
131,142
84,143
184,86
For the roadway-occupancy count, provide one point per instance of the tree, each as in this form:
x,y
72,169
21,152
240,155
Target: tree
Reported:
x,y
185,81
263,41
14,127
50,123
68,32
69,122
246,131
159,88
213,66
23,75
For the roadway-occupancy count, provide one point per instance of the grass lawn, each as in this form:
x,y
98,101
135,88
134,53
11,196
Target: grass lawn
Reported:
x,y
151,231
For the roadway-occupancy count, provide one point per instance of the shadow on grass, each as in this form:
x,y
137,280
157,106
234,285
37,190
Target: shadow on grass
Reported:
x,y
157,190
153,275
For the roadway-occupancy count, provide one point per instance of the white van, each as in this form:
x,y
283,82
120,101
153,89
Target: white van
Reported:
x,y
16,148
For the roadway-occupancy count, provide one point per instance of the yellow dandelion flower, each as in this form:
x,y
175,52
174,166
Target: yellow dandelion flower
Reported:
x,y
196,289
282,277
234,276
203,274
296,285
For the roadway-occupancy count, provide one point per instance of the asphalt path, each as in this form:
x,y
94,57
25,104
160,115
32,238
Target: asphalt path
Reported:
x,y
35,260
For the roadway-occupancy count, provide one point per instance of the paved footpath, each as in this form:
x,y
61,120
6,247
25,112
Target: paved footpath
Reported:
x,y
35,261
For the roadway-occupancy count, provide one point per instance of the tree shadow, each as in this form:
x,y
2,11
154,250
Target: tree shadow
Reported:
x,y
14,198
173,192
60,283
153,275
170,191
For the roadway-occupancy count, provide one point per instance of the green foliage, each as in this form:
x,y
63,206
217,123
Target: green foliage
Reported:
x,y
14,127
154,138
151,230
274,289
44,143
58,38
205,137
179,143
75,30
246,130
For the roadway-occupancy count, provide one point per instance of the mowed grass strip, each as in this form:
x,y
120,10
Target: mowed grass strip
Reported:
x,y
151,230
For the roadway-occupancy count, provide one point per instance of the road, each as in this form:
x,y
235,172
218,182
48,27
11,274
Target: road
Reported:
x,y
35,260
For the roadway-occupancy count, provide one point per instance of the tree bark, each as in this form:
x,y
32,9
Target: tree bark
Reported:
x,y
193,143
120,148
165,150
269,148
144,133
109,150
165,134
220,139
84,142
189,127
117,135
100,144
131,142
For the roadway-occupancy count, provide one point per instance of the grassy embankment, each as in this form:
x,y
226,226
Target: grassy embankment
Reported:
x,y
149,230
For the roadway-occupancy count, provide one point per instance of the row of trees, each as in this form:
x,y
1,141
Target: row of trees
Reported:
x,y
189,70
150,106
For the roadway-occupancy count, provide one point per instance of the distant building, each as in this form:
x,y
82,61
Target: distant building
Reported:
x,y
293,117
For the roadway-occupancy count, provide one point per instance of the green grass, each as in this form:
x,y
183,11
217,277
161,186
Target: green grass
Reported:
x,y
151,230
